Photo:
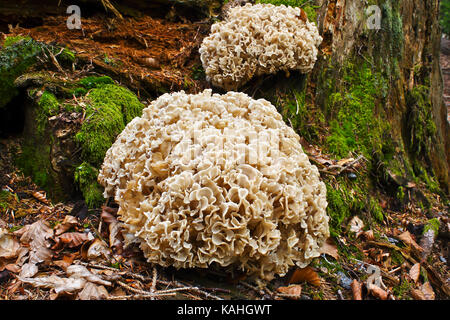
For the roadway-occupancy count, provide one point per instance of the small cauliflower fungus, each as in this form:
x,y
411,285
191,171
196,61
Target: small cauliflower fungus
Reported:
x,y
211,178
258,39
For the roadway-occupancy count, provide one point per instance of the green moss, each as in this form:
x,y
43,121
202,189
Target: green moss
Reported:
x,y
47,106
5,198
392,25
337,209
86,178
400,193
432,224
83,86
94,82
354,125
376,210
111,107
9,41
343,202
35,163
304,118
14,61
310,10
421,127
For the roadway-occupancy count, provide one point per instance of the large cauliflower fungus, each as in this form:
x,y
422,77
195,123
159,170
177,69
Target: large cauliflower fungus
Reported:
x,y
217,178
258,39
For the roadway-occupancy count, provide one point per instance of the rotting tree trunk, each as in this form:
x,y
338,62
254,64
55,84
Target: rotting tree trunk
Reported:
x,y
407,44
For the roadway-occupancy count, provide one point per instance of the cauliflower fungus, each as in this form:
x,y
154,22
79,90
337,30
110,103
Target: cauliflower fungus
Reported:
x,y
217,178
258,39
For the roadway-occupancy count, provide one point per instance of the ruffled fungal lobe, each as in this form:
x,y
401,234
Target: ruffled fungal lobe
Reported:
x,y
211,178
258,39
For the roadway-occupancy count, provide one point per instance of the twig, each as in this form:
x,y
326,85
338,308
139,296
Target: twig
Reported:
x,y
138,291
140,296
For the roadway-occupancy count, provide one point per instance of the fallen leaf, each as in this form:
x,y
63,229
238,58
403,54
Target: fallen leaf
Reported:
x,y
29,270
36,235
57,283
93,292
68,222
62,264
306,274
330,249
12,267
408,239
294,290
9,246
356,225
427,290
356,290
98,250
417,294
79,271
414,272
377,292
368,235
115,228
72,239
41,197
303,15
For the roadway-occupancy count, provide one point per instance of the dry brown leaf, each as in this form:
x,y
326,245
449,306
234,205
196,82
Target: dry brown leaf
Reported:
x,y
356,290
98,250
57,283
377,292
12,267
28,270
93,292
9,246
408,239
414,272
294,290
417,294
369,235
62,264
41,197
68,222
36,235
427,290
330,249
115,228
78,271
306,274
72,239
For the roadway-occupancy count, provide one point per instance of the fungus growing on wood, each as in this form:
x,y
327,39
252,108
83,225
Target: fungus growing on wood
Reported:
x,y
208,178
258,39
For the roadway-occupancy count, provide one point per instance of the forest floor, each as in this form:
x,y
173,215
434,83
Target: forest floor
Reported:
x,y
67,251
